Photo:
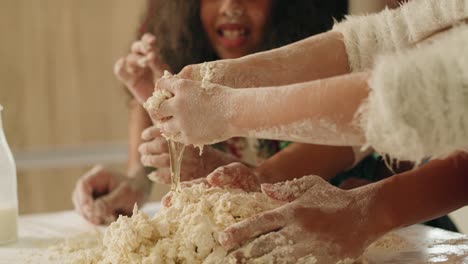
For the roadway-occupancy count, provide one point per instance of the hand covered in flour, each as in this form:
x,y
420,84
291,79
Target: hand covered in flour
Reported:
x,y
235,176
319,220
154,153
197,113
139,69
100,195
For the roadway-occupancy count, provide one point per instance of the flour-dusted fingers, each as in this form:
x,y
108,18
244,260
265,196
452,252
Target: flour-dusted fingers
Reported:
x,y
119,70
150,133
139,47
133,64
149,39
260,246
127,70
191,72
290,190
235,175
166,108
156,161
240,233
291,253
153,62
83,200
143,46
161,176
155,146
166,200
95,181
170,128
203,114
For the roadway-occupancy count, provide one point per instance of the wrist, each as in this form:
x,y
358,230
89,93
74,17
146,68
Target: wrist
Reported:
x,y
262,175
378,207
139,179
231,98
236,113
214,158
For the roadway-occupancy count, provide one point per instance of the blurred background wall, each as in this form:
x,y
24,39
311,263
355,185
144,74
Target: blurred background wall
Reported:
x,y
64,109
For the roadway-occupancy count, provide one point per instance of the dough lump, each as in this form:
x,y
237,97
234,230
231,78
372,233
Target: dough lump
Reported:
x,y
186,232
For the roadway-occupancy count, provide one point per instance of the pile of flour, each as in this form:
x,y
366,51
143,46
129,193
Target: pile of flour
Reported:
x,y
186,232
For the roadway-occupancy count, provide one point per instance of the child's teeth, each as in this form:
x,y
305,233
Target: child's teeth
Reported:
x,y
232,34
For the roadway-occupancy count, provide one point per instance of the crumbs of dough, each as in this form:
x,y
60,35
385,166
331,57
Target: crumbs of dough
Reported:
x,y
186,232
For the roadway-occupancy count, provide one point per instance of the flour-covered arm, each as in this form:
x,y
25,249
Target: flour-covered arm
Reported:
x,y
316,57
319,112
417,105
352,45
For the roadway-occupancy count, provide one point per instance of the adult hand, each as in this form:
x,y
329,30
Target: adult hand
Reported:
x,y
196,114
319,220
139,69
100,195
154,153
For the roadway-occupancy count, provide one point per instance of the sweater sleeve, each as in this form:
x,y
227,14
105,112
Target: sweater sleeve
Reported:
x,y
418,104
394,30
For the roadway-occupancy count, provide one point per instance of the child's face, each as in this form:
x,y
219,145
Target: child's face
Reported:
x,y
235,28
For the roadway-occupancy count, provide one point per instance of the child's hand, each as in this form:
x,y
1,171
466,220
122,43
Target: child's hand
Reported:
x,y
154,153
100,195
235,175
195,114
322,220
139,69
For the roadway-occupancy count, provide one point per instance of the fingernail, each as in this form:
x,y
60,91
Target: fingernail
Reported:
x,y
166,201
225,240
153,176
142,62
267,187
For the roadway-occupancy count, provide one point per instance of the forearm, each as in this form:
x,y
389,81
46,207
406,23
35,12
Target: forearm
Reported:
x,y
214,158
312,112
425,193
316,57
298,160
138,121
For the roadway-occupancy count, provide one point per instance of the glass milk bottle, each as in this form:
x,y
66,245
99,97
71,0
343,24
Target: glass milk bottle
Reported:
x,y
8,193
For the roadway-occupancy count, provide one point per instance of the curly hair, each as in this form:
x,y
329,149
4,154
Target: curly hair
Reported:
x,y
182,41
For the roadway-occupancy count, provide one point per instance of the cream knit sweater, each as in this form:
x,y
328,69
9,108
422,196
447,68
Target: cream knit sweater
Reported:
x,y
418,105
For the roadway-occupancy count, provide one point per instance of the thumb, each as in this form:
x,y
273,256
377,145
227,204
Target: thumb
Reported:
x,y
158,68
289,191
120,200
150,133
191,72
235,175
